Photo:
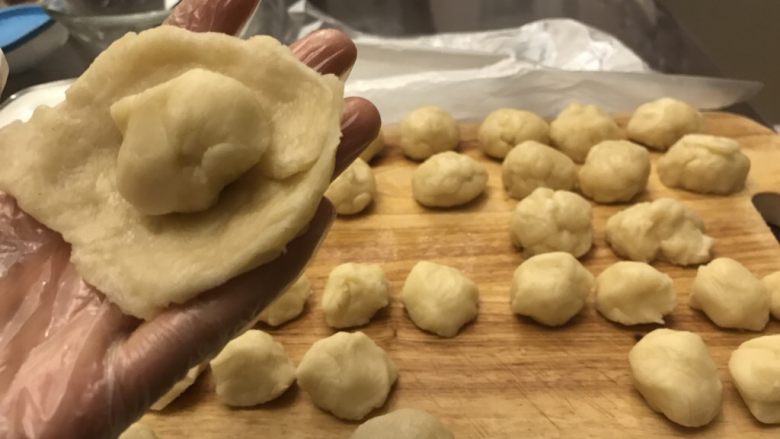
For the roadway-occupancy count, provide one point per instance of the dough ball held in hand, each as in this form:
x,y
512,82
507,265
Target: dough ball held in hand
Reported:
x,y
730,295
551,288
448,179
755,368
664,229
550,221
403,424
615,171
289,305
251,369
353,294
531,165
704,164
660,123
427,131
138,431
772,284
347,374
674,372
579,127
505,128
439,299
353,190
374,148
634,293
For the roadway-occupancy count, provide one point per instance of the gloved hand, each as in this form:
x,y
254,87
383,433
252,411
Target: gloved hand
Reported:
x,y
71,364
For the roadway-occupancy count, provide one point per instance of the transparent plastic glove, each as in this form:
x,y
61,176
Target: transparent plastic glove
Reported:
x,y
71,364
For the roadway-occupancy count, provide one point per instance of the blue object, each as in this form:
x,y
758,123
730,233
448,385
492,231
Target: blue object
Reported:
x,y
20,24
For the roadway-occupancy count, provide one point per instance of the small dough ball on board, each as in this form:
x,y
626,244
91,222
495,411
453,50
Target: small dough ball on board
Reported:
x,y
374,148
353,190
755,368
353,294
426,131
439,299
578,127
660,123
730,295
772,284
506,127
633,293
674,372
138,431
448,179
347,374
251,369
550,221
704,164
551,288
664,229
615,171
403,424
289,305
531,164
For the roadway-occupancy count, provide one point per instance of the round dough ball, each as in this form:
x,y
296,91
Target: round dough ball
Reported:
x,y
704,164
755,368
615,171
634,293
550,288
505,128
550,221
403,424
374,148
138,431
251,369
730,295
772,284
531,164
439,299
289,305
353,190
674,372
448,179
663,229
426,131
353,294
578,127
660,123
347,374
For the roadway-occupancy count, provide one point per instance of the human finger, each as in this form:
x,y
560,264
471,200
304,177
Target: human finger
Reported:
x,y
225,16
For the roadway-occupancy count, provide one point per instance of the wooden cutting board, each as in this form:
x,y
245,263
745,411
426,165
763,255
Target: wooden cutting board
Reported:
x,y
504,376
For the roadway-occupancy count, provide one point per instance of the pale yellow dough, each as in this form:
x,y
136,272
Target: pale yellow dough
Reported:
x,y
426,131
674,372
374,148
772,284
448,179
730,295
551,221
633,293
551,288
61,166
755,368
403,424
660,123
252,369
347,374
531,164
615,171
506,128
353,190
289,305
579,127
353,294
705,164
664,229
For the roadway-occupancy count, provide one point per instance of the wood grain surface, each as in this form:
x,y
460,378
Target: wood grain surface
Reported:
x,y
504,376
